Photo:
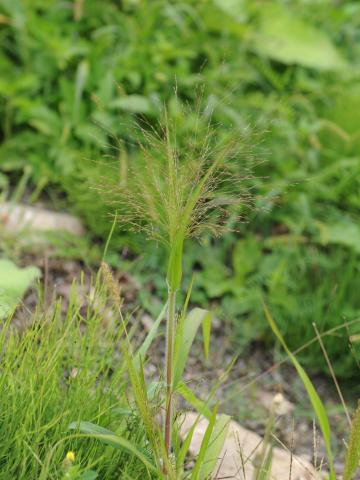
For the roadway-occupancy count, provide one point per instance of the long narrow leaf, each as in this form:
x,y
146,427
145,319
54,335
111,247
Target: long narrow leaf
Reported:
x,y
204,445
89,427
213,450
315,400
180,458
265,467
211,446
192,399
122,443
140,394
145,409
206,331
141,352
185,337
109,438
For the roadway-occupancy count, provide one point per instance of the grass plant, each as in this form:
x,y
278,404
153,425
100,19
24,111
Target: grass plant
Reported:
x,y
58,368
177,193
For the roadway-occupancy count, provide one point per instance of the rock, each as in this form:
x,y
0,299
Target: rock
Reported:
x,y
282,405
147,322
18,217
240,450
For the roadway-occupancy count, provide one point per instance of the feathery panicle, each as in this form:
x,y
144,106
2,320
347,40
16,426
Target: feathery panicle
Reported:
x,y
183,189
179,186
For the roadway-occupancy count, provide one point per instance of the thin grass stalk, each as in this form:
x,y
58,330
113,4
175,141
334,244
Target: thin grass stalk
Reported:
x,y
170,337
336,383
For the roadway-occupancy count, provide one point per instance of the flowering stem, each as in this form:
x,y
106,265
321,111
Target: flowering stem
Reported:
x,y
170,336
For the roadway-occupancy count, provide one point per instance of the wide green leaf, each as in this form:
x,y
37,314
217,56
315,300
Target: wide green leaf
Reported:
x,y
289,39
345,232
188,395
14,282
213,449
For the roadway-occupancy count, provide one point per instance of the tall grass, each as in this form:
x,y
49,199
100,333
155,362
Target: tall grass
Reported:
x,y
178,191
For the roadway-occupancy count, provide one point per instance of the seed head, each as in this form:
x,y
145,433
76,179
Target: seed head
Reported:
x,y
181,186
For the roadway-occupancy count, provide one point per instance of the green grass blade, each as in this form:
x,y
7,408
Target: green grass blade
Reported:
x,y
180,325
315,400
110,236
192,399
213,450
185,337
140,395
180,458
146,412
89,427
187,300
206,330
141,352
211,446
204,445
93,431
265,468
352,458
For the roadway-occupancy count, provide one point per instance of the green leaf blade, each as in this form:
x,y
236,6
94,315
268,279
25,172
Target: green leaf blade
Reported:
x,y
314,398
185,337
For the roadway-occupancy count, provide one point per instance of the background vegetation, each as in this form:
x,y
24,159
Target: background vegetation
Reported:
x,y
78,77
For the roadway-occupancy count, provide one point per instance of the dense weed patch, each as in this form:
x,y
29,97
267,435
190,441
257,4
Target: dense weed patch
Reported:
x,y
75,76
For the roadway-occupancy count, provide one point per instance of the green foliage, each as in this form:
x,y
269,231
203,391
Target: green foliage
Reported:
x,y
60,370
302,285
14,282
76,83
288,39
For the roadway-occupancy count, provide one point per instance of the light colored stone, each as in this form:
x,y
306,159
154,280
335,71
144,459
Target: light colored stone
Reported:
x,y
147,322
19,217
240,449
281,405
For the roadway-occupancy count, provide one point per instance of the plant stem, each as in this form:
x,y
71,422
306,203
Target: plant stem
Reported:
x,y
170,336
